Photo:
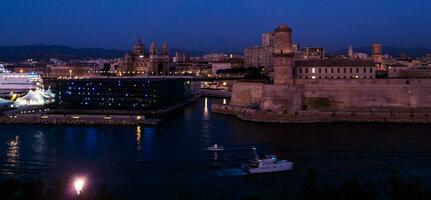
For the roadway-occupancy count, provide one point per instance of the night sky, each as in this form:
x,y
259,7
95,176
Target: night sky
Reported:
x,y
214,25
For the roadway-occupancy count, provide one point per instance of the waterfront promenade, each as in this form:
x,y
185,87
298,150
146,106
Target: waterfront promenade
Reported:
x,y
44,115
76,119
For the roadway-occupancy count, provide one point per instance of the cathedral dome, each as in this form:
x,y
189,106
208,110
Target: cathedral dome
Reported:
x,y
139,48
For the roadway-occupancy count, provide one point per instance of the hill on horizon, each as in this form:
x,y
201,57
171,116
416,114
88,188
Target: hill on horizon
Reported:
x,y
38,52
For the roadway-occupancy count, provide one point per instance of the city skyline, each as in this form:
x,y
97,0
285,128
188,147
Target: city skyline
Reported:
x,y
215,99
214,25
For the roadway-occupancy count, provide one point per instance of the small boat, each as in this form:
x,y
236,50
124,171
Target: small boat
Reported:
x,y
267,164
215,147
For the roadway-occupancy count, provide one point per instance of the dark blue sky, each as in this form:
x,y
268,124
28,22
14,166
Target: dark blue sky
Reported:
x,y
214,25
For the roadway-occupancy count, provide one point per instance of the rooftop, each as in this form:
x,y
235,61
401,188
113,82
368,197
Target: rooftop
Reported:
x,y
283,28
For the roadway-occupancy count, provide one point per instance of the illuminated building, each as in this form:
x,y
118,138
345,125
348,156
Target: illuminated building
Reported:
x,y
214,57
313,53
138,62
335,69
226,64
377,56
267,39
122,93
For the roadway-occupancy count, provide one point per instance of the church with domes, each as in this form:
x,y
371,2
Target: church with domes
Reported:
x,y
151,63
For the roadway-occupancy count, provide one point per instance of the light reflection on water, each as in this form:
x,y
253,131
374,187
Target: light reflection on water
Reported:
x,y
91,139
206,124
13,155
139,157
39,146
206,110
138,143
144,143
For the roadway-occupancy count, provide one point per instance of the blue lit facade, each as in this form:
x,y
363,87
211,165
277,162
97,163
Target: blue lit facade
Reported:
x,y
121,93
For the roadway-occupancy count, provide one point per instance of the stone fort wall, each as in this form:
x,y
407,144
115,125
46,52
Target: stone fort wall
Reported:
x,y
326,95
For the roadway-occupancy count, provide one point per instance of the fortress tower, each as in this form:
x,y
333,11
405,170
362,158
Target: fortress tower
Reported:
x,y
283,56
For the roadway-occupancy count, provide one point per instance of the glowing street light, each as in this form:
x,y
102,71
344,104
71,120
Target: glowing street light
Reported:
x,y
79,185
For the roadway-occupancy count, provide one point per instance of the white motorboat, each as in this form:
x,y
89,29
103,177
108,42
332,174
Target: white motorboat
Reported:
x,y
215,147
267,164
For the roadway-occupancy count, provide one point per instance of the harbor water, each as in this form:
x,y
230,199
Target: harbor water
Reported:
x,y
169,160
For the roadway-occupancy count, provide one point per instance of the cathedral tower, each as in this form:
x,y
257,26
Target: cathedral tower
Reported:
x,y
283,56
153,50
165,50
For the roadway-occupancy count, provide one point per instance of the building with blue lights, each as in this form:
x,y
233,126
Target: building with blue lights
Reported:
x,y
122,93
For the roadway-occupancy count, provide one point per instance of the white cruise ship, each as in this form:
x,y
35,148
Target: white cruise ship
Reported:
x,y
18,82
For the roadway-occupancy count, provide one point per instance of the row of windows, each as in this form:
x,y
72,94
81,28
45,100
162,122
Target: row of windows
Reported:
x,y
333,69
336,77
123,94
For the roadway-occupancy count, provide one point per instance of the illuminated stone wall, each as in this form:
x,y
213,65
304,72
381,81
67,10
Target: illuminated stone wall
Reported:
x,y
335,94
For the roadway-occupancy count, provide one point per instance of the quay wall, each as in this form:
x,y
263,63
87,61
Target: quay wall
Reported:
x,y
57,119
255,115
216,93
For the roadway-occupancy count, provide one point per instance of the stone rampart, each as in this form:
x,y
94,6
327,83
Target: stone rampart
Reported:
x,y
246,94
363,95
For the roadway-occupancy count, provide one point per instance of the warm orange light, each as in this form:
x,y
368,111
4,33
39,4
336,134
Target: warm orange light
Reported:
x,y
79,185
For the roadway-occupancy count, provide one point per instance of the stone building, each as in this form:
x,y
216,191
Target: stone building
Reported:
x,y
138,62
335,69
267,39
259,57
214,57
70,71
322,89
313,53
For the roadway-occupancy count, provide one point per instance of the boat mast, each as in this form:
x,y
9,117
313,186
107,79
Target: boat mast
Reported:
x,y
255,153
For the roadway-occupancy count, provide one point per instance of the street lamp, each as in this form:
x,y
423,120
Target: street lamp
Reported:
x,y
79,184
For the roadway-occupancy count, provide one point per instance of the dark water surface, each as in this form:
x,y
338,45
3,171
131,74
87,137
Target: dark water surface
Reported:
x,y
168,161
